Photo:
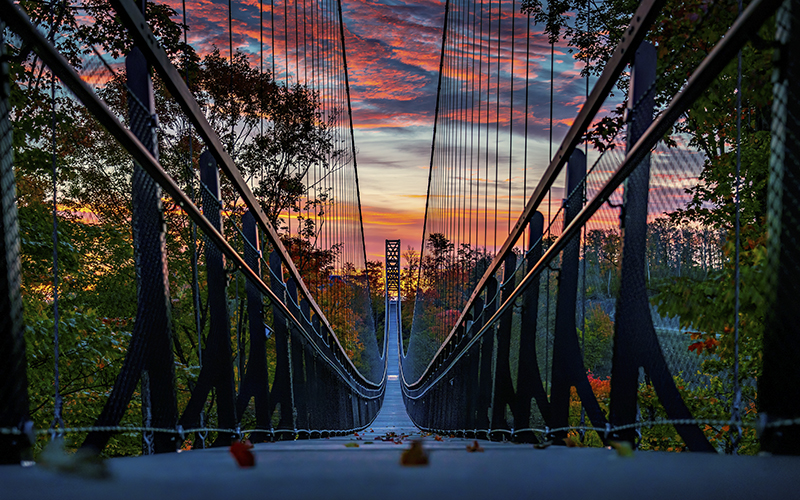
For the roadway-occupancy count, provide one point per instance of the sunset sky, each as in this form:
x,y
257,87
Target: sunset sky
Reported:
x,y
393,49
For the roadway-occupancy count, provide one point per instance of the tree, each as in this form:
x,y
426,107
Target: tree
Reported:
x,y
375,275
602,253
97,294
409,283
440,248
275,133
96,289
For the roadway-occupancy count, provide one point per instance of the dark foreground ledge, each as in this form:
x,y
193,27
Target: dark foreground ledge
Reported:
x,y
330,470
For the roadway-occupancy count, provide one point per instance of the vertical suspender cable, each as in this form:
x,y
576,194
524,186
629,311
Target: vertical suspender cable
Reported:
x,y
549,225
511,107
552,76
286,42
232,147
57,404
190,182
497,122
296,44
480,126
457,214
352,134
260,65
582,187
527,102
230,71
311,170
297,82
451,200
472,166
462,169
201,436
433,141
737,390
272,35
305,40
486,149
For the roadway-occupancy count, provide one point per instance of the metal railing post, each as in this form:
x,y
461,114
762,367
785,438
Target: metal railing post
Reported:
x,y
153,315
529,379
217,370
13,362
567,369
255,383
281,392
297,356
149,358
503,386
486,375
779,395
635,341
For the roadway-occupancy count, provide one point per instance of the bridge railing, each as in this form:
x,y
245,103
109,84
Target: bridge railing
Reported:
x,y
594,324
215,326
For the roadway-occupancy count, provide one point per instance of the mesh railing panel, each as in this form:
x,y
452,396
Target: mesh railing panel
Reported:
x,y
657,292
178,327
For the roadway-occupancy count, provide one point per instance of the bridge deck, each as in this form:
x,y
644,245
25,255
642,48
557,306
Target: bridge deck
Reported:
x,y
393,416
328,468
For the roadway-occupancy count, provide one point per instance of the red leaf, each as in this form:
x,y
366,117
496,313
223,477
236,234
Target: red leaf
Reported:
x,y
241,452
697,346
475,447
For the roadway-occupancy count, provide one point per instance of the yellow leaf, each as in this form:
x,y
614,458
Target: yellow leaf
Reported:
x,y
624,448
416,455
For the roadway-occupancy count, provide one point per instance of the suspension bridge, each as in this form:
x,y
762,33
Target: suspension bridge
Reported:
x,y
185,268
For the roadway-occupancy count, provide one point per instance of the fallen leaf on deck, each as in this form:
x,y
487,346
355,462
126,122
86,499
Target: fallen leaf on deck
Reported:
x,y
541,446
438,438
391,436
351,445
82,463
624,448
415,455
241,452
573,443
474,447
